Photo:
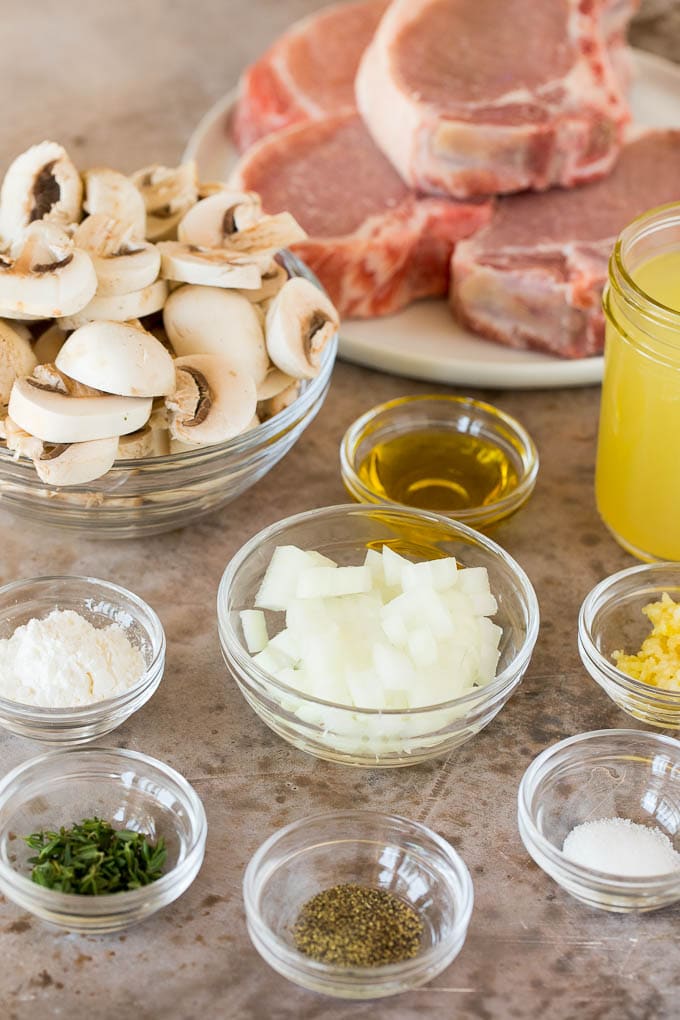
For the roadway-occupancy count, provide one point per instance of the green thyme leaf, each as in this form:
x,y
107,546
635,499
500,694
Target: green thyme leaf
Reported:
x,y
92,858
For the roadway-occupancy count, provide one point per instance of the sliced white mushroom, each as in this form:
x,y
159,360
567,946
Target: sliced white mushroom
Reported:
x,y
19,327
117,358
122,262
300,322
121,308
45,276
213,221
210,267
267,236
146,442
168,193
57,417
49,377
48,344
20,442
266,409
212,402
41,184
15,316
112,193
177,446
16,358
271,283
76,463
212,320
274,382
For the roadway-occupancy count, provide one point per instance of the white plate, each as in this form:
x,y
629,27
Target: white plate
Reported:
x,y
423,341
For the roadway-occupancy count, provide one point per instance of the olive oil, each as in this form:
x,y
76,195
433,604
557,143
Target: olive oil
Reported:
x,y
439,469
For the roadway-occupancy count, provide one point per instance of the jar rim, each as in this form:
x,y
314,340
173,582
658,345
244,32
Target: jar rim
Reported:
x,y
620,276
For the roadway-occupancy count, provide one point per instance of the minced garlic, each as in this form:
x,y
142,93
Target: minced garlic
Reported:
x,y
658,661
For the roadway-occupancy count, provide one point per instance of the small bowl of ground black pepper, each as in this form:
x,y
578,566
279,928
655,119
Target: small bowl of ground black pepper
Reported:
x,y
356,904
93,840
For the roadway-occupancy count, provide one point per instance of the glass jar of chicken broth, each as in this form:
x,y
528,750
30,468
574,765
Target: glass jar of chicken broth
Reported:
x,y
637,478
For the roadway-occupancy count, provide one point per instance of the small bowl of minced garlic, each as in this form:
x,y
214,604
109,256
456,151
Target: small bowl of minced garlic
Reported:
x,y
78,656
629,641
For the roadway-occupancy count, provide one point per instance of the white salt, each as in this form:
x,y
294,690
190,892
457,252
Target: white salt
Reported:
x,y
62,661
619,846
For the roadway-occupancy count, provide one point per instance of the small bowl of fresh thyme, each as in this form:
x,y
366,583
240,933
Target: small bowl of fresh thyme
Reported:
x,y
93,839
357,904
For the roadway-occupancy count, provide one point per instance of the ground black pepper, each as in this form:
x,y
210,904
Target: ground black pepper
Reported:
x,y
354,925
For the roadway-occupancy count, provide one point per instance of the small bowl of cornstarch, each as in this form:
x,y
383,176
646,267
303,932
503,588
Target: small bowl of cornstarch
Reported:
x,y
78,656
600,814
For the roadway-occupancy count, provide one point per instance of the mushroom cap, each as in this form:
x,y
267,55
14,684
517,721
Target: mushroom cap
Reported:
x,y
59,418
210,267
213,220
212,320
110,192
168,193
212,401
122,262
117,358
300,321
42,184
120,307
76,463
16,358
45,275
49,343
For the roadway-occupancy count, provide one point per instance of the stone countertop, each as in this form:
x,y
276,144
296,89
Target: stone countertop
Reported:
x,y
123,84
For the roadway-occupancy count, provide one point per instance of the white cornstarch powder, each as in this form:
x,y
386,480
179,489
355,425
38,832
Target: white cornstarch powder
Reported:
x,y
621,847
63,661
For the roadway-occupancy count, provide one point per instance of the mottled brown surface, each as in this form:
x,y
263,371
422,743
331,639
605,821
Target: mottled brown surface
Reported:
x,y
124,83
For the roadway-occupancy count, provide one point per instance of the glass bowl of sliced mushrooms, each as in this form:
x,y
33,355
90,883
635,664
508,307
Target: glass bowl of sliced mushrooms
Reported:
x,y
160,347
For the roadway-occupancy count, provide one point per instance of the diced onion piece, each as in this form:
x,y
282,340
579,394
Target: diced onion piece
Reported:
x,y
386,635
393,564
279,583
436,574
329,582
254,627
473,579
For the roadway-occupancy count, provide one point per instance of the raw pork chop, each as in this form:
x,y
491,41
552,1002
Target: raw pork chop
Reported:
x,y
374,244
534,276
471,97
307,73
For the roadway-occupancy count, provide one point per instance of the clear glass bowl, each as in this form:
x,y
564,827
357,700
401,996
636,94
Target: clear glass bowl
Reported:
x,y
156,494
367,848
611,619
126,788
101,603
371,737
603,774
443,414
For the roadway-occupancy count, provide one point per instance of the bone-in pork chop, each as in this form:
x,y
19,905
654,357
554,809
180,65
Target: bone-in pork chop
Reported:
x,y
470,97
308,72
533,278
373,243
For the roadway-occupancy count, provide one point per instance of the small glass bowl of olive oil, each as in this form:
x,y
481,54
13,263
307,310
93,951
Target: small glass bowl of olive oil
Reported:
x,y
453,455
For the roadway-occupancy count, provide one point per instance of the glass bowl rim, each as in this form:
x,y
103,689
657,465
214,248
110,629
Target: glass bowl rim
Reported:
x,y
593,658
128,899
541,766
500,683
252,439
529,457
84,713
255,873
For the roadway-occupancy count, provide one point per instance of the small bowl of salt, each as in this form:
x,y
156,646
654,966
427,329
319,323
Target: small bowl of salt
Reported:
x,y
600,814
78,656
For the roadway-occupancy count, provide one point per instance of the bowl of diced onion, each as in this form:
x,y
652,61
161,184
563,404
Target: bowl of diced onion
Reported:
x,y
375,636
